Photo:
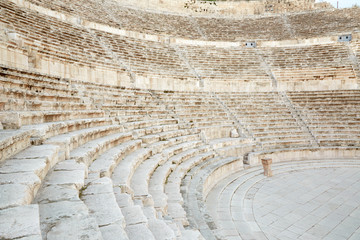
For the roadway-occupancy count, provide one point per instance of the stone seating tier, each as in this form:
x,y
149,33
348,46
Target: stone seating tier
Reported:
x,y
53,38
275,27
331,116
49,43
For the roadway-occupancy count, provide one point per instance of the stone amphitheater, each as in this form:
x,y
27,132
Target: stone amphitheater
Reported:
x,y
150,119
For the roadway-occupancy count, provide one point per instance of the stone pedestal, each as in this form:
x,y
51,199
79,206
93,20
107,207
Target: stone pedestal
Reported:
x,y
266,162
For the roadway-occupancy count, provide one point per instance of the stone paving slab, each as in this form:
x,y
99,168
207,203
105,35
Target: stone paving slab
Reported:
x,y
309,199
322,212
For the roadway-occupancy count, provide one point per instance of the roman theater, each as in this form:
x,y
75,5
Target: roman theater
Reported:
x,y
179,119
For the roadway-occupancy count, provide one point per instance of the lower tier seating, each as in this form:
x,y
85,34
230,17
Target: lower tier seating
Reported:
x,y
135,163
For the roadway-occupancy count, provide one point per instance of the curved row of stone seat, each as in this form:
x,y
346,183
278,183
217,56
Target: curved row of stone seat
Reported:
x,y
330,115
148,58
137,166
154,63
227,64
268,119
321,62
60,42
198,182
130,106
274,27
199,109
72,173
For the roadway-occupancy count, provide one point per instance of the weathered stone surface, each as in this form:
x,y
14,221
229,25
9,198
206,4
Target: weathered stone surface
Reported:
x,y
99,186
122,199
12,195
57,193
18,222
13,141
102,205
67,220
133,215
68,173
75,227
139,232
110,231
192,234
234,133
161,230
40,167
26,178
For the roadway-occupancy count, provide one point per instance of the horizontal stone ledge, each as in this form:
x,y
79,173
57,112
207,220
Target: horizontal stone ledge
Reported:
x,y
295,154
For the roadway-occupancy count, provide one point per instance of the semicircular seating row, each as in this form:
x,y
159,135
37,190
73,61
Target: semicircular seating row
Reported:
x,y
49,43
85,160
276,27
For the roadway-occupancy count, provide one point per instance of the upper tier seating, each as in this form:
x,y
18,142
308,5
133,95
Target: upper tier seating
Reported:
x,y
277,27
147,58
51,45
112,14
52,38
323,23
228,66
312,63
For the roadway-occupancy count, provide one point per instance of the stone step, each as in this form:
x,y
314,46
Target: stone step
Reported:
x,y
105,164
124,171
72,140
160,175
172,187
100,199
22,175
142,174
17,119
20,222
62,213
196,185
88,152
68,220
13,141
44,131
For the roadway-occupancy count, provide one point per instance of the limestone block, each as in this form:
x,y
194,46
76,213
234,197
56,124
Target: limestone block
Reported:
x,y
100,199
192,234
99,186
75,227
139,232
68,220
18,222
57,193
234,133
104,208
161,230
134,215
48,152
26,178
10,120
122,199
39,167
108,232
13,195
176,211
12,142
68,173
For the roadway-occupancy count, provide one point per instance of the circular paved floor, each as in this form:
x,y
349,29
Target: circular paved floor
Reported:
x,y
321,203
